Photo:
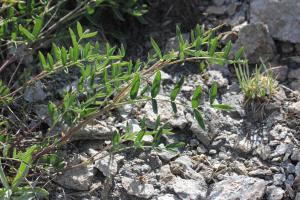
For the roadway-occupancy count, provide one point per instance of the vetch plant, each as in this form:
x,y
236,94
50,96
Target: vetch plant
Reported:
x,y
107,81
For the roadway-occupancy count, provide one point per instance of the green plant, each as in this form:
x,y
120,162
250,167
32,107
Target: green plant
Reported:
x,y
259,85
107,81
12,188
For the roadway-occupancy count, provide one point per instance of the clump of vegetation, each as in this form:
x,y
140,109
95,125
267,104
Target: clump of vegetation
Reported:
x,y
107,81
257,86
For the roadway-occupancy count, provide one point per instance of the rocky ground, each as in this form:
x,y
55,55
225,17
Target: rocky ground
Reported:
x,y
244,154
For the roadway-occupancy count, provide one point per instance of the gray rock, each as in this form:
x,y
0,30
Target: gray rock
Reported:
x,y
257,42
297,169
79,178
274,193
108,165
296,155
166,113
296,183
99,131
295,85
286,47
216,76
188,189
260,173
173,44
238,187
165,154
42,112
295,108
280,72
280,150
138,188
282,18
294,74
167,197
297,196
35,93
263,151
279,179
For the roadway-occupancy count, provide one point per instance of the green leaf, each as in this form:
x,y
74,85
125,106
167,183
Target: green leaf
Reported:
x,y
227,49
64,56
239,53
174,107
138,139
26,33
73,37
56,51
199,119
52,110
196,97
89,35
154,106
177,88
79,29
156,48
135,87
157,136
50,60
38,25
116,139
157,122
212,46
3,178
213,93
221,106
24,167
156,85
43,61
175,145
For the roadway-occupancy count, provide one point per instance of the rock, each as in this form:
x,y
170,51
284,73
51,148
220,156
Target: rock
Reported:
x,y
216,124
239,168
274,193
297,169
165,154
138,188
238,187
294,74
257,42
286,47
35,93
260,173
216,76
42,112
99,131
295,108
194,142
167,197
279,179
297,196
280,150
296,184
108,165
165,174
188,189
282,18
295,85
173,44
79,178
166,113
296,155
280,72
263,151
